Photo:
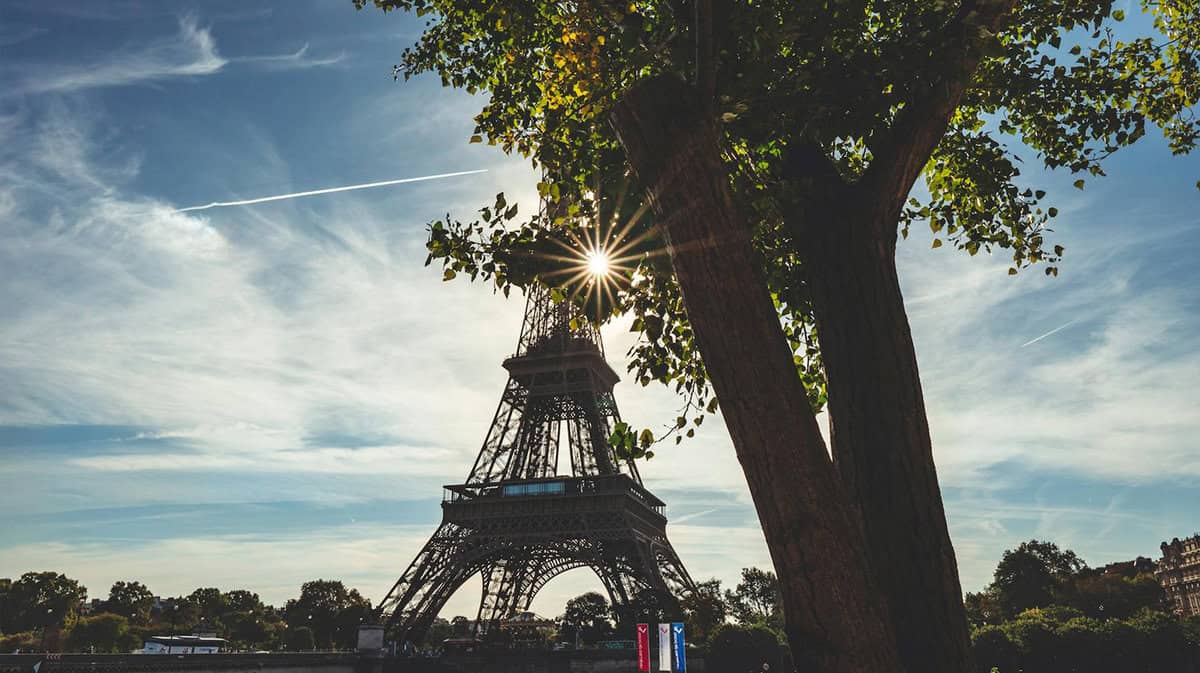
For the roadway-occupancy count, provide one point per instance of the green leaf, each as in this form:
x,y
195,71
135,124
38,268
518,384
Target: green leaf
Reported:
x,y
1118,14
448,274
476,139
1052,212
646,438
937,243
1079,184
1012,271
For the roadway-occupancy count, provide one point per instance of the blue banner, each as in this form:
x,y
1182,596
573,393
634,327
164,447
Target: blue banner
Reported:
x,y
680,655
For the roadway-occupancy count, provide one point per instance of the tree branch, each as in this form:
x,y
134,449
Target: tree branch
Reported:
x,y
920,125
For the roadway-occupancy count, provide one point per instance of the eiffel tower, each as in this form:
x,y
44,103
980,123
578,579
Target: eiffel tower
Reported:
x,y
516,520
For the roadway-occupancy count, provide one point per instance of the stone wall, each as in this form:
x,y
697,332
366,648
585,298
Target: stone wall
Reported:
x,y
307,662
586,661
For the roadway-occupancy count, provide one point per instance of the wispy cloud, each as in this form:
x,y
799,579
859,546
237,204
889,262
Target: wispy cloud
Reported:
x,y
12,34
192,52
296,60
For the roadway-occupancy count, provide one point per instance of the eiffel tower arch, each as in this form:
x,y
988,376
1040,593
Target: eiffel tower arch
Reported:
x,y
519,523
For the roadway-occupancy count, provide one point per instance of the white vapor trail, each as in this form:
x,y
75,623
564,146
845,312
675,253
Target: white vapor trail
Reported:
x,y
328,190
1053,331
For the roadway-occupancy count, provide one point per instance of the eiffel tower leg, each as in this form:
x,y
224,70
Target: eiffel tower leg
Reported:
x,y
538,577
413,602
676,578
501,581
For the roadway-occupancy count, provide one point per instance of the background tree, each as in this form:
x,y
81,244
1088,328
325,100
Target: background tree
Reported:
x,y
1033,575
587,617
211,602
45,600
704,610
131,600
438,632
180,613
248,622
744,648
25,641
331,610
105,633
462,627
775,145
1067,630
647,606
756,600
7,614
299,639
241,600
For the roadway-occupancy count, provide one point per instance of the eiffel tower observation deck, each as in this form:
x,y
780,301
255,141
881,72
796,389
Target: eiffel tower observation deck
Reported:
x,y
516,520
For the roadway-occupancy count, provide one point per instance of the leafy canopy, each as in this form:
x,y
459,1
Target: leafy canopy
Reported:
x,y
808,96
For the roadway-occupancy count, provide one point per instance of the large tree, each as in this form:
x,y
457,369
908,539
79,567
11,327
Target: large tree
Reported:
x,y
704,609
756,599
131,600
331,610
759,160
44,600
1034,575
587,616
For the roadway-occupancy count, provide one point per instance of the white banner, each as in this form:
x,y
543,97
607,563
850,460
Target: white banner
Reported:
x,y
664,647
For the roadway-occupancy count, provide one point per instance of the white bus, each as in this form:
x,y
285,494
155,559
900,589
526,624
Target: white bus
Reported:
x,y
182,645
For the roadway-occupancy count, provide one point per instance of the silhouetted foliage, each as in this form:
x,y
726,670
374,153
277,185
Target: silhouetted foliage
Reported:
x,y
299,639
1047,612
756,599
105,633
734,648
332,611
46,611
131,600
43,600
703,611
586,618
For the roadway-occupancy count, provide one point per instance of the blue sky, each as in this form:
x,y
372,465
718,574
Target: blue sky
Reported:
x,y
253,397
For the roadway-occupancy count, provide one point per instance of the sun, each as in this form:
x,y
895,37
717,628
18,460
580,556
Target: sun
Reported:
x,y
598,263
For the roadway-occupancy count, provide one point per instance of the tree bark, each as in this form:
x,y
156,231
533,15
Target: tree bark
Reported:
x,y
835,620
880,435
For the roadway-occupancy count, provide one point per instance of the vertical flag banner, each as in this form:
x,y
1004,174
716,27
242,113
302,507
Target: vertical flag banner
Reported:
x,y
680,647
664,647
643,645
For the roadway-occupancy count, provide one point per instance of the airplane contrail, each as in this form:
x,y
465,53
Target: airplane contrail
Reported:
x,y
328,190
1053,331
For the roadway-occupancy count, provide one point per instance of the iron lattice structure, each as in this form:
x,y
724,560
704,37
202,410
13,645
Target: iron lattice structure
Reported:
x,y
517,521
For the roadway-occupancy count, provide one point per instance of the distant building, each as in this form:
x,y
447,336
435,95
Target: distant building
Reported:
x,y
1179,574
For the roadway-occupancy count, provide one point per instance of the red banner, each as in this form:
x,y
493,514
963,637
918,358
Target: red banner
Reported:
x,y
643,642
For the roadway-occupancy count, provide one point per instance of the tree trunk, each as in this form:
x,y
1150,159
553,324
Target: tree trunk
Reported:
x,y
880,437
835,621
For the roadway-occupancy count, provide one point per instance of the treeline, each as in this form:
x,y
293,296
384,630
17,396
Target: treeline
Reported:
x,y
48,611
741,628
1046,611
